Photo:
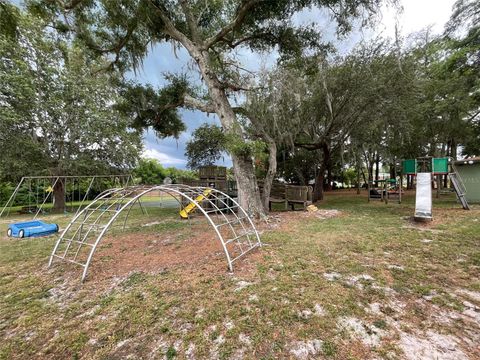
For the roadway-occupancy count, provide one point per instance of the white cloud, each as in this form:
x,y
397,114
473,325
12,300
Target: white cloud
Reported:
x,y
164,159
416,15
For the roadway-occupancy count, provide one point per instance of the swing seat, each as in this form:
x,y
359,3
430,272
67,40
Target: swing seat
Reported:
x,y
34,228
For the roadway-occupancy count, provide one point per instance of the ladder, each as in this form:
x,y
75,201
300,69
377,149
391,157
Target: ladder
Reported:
x,y
459,189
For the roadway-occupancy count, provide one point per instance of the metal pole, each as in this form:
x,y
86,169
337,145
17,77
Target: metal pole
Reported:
x,y
385,189
85,196
400,190
12,197
36,193
368,189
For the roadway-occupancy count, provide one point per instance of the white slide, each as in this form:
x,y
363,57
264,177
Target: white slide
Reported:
x,y
423,198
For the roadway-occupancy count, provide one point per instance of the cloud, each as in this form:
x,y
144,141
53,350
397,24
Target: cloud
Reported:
x,y
163,158
416,16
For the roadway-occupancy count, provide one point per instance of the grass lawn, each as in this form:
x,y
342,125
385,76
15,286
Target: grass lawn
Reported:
x,y
361,282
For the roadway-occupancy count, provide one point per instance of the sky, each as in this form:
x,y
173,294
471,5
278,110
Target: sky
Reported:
x,y
414,16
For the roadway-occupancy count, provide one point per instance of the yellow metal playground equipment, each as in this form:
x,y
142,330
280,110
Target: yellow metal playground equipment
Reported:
x,y
193,205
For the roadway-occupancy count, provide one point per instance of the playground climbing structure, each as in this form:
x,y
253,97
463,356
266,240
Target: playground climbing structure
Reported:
x,y
81,238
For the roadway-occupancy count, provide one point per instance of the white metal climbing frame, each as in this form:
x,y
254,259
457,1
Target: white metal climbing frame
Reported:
x,y
232,225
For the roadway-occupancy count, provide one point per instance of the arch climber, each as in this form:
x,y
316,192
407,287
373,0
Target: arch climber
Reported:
x,y
231,223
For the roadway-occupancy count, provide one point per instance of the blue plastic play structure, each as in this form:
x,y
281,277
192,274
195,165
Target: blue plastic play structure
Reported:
x,y
31,229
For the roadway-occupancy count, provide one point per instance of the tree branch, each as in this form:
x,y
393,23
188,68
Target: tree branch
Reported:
x,y
170,28
233,44
241,13
309,146
234,87
72,4
229,63
120,45
196,104
192,24
69,6
472,117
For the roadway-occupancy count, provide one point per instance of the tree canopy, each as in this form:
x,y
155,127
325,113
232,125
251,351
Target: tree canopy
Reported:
x,y
211,32
58,115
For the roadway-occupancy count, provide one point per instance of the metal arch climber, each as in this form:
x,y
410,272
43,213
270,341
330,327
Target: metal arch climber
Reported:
x,y
80,239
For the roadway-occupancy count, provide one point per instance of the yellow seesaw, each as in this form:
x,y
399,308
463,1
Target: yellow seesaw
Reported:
x,y
192,206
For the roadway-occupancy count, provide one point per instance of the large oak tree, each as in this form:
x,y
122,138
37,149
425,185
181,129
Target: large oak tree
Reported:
x,y
211,31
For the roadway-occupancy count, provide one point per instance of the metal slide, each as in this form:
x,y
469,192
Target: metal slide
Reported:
x,y
423,197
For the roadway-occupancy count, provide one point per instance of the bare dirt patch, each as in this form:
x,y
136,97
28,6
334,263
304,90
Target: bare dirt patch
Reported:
x,y
441,216
197,247
431,346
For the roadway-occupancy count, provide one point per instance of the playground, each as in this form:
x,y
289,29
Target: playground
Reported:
x,y
355,279
242,179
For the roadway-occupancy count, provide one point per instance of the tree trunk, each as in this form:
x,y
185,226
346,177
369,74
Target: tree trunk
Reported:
x,y
59,196
248,191
329,184
326,160
358,179
377,169
453,150
365,180
409,182
370,171
272,170
318,190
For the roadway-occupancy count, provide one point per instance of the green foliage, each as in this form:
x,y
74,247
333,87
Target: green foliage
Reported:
x,y
206,146
211,32
150,172
209,142
299,166
179,175
126,27
154,109
171,353
6,189
57,114
245,148
349,176
327,115
378,102
329,348
9,15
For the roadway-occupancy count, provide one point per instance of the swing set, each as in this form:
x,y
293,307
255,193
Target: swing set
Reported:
x,y
35,194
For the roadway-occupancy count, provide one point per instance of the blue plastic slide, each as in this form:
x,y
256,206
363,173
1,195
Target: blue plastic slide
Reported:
x,y
31,229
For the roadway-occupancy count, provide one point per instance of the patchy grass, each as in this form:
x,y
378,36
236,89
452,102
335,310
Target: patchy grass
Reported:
x,y
368,283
